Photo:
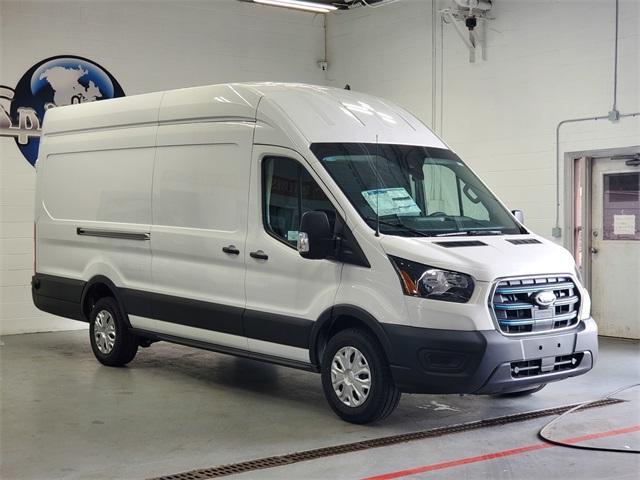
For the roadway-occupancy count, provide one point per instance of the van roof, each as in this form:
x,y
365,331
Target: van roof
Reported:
x,y
317,113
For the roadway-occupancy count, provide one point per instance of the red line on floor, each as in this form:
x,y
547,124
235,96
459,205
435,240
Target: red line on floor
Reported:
x,y
503,453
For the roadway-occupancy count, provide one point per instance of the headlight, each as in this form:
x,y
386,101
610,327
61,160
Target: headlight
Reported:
x,y
420,280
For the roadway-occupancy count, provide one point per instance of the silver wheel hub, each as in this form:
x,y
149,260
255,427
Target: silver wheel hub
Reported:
x,y
351,376
104,331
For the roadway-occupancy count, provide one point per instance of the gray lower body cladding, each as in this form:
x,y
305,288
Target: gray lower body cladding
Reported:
x,y
487,362
422,360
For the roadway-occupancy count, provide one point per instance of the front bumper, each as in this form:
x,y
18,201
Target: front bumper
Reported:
x,y
486,362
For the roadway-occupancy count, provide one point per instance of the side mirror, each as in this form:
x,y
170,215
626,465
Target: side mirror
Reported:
x,y
519,214
314,239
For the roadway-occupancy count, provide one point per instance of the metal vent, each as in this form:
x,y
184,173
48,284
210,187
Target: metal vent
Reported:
x,y
524,241
524,305
461,243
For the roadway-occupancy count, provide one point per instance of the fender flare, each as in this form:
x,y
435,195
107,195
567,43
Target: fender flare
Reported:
x,y
101,279
326,320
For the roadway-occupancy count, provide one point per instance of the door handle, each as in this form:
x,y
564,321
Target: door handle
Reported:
x,y
260,255
231,249
593,250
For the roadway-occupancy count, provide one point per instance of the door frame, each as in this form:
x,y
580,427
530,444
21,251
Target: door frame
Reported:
x,y
586,157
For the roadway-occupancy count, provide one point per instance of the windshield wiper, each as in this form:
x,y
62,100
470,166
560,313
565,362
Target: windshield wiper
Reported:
x,y
470,233
398,224
401,224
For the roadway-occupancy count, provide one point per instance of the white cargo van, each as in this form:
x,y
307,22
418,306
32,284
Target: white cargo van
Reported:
x,y
310,227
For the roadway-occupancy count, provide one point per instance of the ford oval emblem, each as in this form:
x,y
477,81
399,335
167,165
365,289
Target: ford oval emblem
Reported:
x,y
545,299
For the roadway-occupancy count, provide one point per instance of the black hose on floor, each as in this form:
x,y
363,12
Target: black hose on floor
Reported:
x,y
542,431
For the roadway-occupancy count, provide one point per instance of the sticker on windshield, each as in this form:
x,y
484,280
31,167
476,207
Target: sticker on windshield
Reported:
x,y
391,201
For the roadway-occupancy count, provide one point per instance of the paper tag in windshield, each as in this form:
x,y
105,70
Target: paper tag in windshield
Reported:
x,y
391,201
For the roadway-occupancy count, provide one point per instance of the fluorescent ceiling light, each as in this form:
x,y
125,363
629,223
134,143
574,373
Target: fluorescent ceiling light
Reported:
x,y
299,5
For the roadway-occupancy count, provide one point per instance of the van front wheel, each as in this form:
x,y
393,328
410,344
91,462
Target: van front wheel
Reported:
x,y
111,341
356,378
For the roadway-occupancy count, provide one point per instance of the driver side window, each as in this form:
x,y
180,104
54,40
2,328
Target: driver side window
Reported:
x,y
288,191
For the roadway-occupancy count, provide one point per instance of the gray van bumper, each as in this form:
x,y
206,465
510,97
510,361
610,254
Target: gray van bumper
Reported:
x,y
487,362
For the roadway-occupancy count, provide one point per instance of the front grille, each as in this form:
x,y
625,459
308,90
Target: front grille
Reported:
x,y
531,368
519,310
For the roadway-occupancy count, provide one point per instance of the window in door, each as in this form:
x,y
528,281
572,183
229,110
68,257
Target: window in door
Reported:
x,y
288,192
621,206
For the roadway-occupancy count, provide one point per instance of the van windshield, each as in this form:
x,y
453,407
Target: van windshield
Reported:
x,y
414,191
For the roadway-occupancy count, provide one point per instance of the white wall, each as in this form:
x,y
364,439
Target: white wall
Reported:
x,y
147,46
548,60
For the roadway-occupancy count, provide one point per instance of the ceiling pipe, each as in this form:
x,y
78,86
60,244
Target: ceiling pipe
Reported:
x,y
614,110
434,73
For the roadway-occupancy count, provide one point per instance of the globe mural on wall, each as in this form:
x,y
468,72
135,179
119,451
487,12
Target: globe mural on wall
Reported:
x,y
52,82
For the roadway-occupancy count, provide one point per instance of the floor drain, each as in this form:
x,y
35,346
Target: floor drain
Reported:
x,y
278,461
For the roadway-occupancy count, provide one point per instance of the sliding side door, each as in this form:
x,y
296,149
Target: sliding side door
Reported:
x,y
200,189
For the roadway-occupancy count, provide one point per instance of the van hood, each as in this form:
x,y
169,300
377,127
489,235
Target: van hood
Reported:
x,y
486,258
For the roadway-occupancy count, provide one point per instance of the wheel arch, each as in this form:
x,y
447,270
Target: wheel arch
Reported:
x,y
340,317
98,287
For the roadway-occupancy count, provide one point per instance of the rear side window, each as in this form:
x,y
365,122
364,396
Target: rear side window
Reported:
x,y
288,192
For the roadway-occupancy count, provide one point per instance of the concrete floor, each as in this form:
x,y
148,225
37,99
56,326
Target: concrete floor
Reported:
x,y
444,457
63,415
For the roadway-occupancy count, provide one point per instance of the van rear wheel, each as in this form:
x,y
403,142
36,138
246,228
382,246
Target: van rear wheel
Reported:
x,y
356,378
111,341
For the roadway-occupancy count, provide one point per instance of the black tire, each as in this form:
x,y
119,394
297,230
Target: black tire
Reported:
x,y
382,397
124,345
523,393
